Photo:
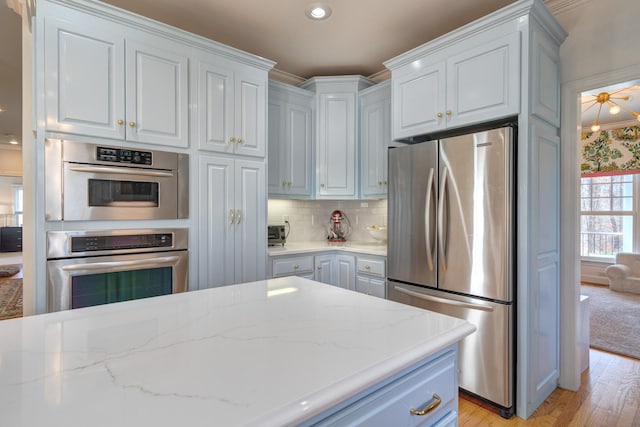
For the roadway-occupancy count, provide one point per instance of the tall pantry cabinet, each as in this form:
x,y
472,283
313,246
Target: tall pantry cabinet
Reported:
x,y
108,76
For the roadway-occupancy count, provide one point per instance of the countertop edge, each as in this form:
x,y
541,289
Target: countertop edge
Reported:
x,y
313,247
334,394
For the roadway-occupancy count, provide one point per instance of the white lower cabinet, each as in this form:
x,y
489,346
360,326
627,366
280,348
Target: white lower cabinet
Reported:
x,y
430,387
362,273
371,276
232,215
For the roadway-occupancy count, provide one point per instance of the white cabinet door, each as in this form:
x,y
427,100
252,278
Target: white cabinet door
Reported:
x,y
324,269
336,145
215,108
345,271
419,100
84,79
217,222
375,135
298,154
483,83
250,221
232,215
157,92
250,119
277,147
232,109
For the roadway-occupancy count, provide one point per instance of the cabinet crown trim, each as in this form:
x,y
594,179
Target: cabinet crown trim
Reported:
x,y
508,13
142,23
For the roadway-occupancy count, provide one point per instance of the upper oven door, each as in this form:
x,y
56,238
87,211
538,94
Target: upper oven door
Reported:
x,y
98,192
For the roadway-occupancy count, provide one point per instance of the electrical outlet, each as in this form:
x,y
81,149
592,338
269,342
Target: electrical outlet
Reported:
x,y
313,219
285,218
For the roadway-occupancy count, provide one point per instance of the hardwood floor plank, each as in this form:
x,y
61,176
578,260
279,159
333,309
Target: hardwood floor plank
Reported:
x,y
609,396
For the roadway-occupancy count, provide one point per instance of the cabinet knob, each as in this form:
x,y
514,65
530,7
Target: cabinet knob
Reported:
x,y
289,183
284,183
296,266
120,122
239,141
319,267
232,139
449,112
322,185
384,182
379,182
366,267
132,124
439,115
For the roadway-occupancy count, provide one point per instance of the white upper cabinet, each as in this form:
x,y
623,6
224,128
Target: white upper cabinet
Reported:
x,y
375,135
290,141
107,80
231,106
336,134
480,82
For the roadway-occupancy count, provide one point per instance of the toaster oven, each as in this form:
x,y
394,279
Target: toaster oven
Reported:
x,y
276,235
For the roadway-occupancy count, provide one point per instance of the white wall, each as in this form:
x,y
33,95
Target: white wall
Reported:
x,y
603,36
10,162
309,219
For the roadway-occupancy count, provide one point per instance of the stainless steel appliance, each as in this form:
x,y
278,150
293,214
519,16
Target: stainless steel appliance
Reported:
x,y
451,247
86,268
101,182
276,235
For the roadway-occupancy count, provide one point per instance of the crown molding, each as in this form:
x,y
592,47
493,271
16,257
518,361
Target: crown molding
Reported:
x,y
380,76
285,77
23,6
561,6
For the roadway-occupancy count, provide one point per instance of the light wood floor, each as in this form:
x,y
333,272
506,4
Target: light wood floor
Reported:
x,y
609,397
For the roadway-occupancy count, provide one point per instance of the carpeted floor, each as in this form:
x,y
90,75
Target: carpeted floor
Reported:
x,y
615,320
11,296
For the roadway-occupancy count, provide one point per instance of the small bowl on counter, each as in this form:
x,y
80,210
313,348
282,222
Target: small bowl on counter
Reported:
x,y
378,232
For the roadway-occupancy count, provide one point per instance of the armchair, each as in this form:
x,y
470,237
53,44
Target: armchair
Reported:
x,y
624,275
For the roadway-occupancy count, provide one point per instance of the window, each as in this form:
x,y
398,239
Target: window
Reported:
x,y
608,216
17,203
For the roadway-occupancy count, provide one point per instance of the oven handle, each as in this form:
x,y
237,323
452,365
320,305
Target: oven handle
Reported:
x,y
150,262
123,171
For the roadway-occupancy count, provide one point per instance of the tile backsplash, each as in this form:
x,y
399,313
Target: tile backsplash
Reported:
x,y
309,219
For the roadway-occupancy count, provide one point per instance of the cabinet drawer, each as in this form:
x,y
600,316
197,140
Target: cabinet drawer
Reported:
x,y
370,286
375,267
287,266
390,405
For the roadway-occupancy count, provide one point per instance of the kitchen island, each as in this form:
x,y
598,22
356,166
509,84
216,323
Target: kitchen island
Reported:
x,y
277,352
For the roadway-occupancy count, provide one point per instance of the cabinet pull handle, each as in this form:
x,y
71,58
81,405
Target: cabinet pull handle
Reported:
x,y
238,213
132,124
449,112
120,122
439,115
239,141
427,407
232,214
296,266
284,183
232,139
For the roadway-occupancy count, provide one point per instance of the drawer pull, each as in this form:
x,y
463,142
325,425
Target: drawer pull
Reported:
x,y
427,407
296,266
366,267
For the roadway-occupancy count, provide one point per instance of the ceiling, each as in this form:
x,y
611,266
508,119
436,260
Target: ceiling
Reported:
x,y
356,39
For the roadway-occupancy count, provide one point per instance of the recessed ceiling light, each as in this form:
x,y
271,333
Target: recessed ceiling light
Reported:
x,y
14,142
318,11
2,110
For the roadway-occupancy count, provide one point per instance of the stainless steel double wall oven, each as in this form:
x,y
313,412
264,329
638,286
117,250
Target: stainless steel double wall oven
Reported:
x,y
87,183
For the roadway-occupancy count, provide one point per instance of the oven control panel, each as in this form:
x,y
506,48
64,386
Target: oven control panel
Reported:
x,y
120,242
123,155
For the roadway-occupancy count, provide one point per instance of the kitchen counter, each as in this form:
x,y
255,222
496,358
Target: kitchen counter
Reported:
x,y
273,352
294,248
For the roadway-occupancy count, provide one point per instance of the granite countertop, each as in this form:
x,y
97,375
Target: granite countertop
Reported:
x,y
294,248
268,353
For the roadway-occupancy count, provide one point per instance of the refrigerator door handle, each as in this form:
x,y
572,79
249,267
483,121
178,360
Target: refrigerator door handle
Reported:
x,y
427,220
441,236
443,300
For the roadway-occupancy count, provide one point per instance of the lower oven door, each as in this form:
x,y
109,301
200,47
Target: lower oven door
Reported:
x,y
84,282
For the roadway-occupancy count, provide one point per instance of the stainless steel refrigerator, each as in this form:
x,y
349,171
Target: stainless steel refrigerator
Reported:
x,y
451,246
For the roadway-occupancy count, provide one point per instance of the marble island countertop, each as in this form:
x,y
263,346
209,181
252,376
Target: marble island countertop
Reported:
x,y
266,353
295,248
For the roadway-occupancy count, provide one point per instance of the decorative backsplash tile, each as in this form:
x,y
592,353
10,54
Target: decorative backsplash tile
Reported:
x,y
309,219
